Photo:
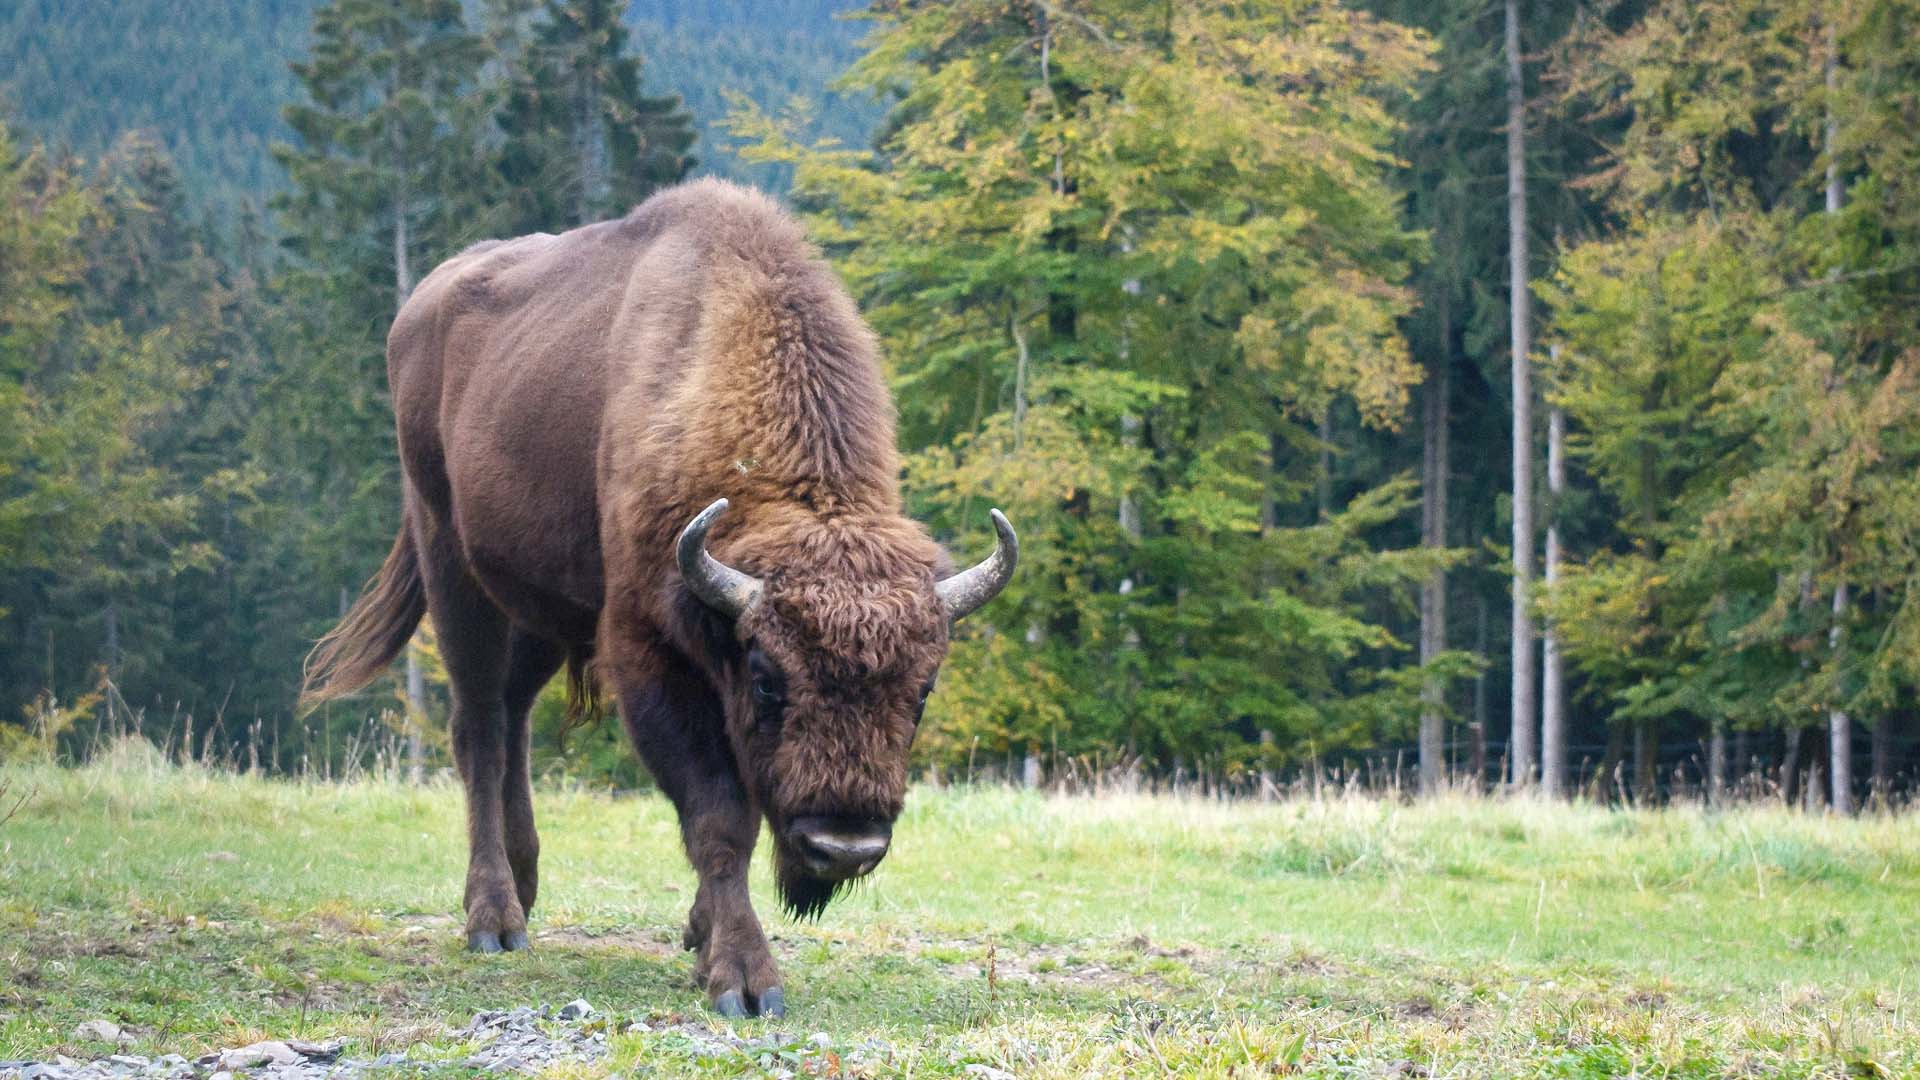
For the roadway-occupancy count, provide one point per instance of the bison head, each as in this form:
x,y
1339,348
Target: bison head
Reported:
x,y
831,660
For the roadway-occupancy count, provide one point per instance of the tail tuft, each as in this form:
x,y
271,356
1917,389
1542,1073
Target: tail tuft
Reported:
x,y
372,632
585,709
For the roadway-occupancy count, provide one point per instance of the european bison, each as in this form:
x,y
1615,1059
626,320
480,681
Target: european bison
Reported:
x,y
662,445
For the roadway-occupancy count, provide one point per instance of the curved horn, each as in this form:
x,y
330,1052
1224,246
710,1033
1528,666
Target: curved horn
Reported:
x,y
718,585
964,592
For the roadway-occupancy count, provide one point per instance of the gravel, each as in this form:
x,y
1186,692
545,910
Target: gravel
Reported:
x,y
523,1040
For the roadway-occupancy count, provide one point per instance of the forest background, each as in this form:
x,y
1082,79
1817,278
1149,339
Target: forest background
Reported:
x,y
1344,365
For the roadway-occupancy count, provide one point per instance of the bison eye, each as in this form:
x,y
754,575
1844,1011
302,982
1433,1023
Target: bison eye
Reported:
x,y
769,685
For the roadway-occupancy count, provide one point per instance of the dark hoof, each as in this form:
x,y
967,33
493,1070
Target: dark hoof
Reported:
x,y
483,941
516,941
731,1005
773,1004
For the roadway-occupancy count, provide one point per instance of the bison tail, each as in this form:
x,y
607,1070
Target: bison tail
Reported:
x,y
372,632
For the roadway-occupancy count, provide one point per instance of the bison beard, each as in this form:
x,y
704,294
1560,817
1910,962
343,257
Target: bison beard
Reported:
x,y
802,894
565,406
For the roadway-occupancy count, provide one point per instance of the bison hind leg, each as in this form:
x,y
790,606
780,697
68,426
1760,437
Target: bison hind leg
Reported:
x,y
532,661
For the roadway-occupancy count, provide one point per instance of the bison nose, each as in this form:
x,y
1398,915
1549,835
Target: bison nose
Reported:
x,y
839,848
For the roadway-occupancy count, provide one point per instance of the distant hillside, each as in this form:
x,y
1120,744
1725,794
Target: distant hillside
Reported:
x,y
208,80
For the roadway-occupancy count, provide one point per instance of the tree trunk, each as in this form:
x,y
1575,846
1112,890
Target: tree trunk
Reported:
x,y
1790,766
1717,764
1839,724
1521,749
1553,694
111,660
402,272
1433,593
590,144
1646,762
1882,793
1477,731
1609,760
1742,756
416,679
1832,132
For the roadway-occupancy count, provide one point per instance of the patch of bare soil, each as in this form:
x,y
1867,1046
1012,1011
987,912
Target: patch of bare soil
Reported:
x,y
654,942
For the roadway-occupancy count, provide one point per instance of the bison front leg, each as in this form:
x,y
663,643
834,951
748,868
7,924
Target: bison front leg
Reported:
x,y
678,729
735,965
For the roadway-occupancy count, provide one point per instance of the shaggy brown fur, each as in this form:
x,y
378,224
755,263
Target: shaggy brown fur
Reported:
x,y
565,405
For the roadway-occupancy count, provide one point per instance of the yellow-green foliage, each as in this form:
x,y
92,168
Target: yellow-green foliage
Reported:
x,y
1122,258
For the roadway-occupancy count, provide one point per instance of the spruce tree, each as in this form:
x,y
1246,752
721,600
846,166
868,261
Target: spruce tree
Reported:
x,y
391,175
582,140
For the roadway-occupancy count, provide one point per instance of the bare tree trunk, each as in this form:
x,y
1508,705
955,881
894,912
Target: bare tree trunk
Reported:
x,y
1646,762
1433,593
111,660
1790,766
1832,132
416,680
1717,764
590,146
1839,724
402,272
1477,731
1553,694
1524,709
1609,760
1742,756
1883,760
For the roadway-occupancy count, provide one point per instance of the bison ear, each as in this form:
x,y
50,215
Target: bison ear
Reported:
x,y
966,591
718,585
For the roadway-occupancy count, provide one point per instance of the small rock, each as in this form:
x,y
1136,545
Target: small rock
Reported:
x,y
221,1075
577,1009
638,1027
820,1039
128,1059
105,1031
381,1062
41,1071
988,1072
258,1054
323,1053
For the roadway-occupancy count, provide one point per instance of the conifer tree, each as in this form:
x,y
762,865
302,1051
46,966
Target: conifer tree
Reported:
x,y
582,140
1123,259
391,175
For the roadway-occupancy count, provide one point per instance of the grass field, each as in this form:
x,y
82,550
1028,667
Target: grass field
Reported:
x,y
1043,936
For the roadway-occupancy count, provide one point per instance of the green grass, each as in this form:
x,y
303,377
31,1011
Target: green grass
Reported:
x,y
1047,936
